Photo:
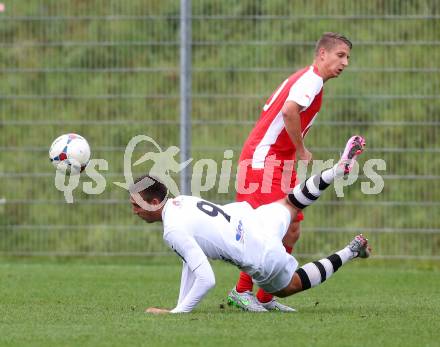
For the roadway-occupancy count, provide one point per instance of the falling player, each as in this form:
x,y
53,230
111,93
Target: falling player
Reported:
x,y
249,238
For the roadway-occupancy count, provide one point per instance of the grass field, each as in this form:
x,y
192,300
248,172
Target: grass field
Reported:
x,y
101,302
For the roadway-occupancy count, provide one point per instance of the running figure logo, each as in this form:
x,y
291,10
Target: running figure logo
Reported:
x,y
164,163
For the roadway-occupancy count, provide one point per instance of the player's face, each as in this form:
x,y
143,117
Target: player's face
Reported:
x,y
335,60
148,216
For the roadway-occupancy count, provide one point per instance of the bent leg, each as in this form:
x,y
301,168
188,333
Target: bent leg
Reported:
x,y
309,191
312,274
295,286
289,240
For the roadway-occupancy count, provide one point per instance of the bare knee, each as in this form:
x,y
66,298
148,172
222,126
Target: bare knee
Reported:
x,y
293,287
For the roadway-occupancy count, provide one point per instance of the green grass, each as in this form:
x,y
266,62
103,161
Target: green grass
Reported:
x,y
101,303
238,61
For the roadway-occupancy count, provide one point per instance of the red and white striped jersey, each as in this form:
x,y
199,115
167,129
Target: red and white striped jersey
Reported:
x,y
269,136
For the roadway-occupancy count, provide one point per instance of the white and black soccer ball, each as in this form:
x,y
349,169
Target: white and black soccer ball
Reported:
x,y
70,153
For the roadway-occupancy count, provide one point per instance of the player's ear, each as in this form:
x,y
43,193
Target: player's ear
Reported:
x,y
321,53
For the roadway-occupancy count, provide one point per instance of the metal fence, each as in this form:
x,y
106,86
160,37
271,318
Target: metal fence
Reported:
x,y
110,70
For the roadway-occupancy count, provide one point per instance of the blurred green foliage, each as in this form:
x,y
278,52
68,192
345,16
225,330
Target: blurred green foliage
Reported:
x,y
109,70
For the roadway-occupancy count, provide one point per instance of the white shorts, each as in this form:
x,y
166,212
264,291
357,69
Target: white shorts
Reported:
x,y
264,255
276,269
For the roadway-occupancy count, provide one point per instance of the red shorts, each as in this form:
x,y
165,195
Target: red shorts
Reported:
x,y
258,189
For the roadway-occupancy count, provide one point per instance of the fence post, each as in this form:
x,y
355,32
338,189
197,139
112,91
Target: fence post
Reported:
x,y
185,92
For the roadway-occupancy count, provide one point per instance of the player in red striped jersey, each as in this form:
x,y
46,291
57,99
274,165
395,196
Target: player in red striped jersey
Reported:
x,y
266,166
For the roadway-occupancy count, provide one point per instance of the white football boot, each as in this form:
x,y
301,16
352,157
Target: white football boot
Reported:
x,y
246,301
360,247
274,305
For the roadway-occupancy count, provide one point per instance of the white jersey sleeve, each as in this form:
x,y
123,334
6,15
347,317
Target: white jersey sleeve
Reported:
x,y
186,248
304,90
193,287
186,282
197,275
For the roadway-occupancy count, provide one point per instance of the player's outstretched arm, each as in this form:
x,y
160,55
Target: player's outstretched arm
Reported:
x,y
204,281
196,286
197,275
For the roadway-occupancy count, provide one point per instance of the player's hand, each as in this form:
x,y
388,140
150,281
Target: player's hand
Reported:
x,y
156,310
305,155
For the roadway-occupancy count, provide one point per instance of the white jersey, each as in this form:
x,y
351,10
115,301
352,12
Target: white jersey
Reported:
x,y
250,239
200,224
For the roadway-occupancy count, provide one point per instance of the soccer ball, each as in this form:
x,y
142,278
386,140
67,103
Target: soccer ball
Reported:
x,y
70,153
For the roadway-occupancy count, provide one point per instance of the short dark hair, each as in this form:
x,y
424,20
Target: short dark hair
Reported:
x,y
329,39
152,188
